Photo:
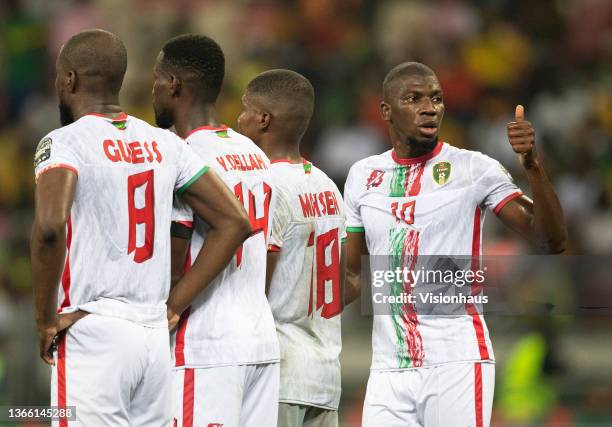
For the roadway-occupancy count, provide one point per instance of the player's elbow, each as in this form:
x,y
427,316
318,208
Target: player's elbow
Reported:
x,y
241,225
50,228
554,247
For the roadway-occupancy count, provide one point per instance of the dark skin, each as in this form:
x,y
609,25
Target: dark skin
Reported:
x,y
413,111
185,107
54,196
278,141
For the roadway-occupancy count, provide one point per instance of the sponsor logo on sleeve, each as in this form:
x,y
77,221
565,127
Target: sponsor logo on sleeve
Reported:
x,y
43,151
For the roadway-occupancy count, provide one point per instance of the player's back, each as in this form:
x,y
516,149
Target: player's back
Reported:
x,y
118,250
305,292
230,321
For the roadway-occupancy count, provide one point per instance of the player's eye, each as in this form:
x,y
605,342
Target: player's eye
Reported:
x,y
409,98
437,99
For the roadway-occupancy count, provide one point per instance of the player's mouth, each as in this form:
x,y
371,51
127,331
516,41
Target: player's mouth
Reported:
x,y
428,129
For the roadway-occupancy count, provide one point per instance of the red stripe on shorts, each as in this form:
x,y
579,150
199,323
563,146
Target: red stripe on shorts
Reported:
x,y
61,378
478,393
188,398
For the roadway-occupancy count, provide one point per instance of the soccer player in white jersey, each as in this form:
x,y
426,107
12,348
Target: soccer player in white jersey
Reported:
x,y
426,197
225,348
305,256
105,185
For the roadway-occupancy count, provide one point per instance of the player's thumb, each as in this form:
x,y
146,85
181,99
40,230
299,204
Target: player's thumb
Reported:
x,y
519,113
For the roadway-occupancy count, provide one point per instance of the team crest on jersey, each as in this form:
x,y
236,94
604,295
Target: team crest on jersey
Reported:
x,y
43,151
375,179
441,172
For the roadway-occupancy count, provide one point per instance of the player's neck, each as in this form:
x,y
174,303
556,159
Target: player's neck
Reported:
x,y
277,151
108,107
195,117
411,149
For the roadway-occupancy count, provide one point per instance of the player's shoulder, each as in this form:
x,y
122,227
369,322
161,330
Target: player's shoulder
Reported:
x,y
473,158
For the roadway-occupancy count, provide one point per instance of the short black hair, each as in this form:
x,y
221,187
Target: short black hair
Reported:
x,y
98,54
288,94
404,69
200,55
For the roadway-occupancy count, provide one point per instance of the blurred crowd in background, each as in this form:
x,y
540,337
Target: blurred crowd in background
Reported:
x,y
553,56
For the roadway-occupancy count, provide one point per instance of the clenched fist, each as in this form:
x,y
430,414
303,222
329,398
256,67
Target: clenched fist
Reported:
x,y
521,136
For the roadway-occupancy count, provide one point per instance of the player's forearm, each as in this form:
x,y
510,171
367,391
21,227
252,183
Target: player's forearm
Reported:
x,y
352,288
549,225
48,252
219,248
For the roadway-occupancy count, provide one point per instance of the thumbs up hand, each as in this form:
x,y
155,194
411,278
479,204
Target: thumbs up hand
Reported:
x,y
521,136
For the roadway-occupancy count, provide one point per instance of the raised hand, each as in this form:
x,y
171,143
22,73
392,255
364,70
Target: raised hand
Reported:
x,y
521,136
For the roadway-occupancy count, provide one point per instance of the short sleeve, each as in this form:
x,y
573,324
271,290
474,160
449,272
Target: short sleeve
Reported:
x,y
54,151
189,167
351,202
280,217
493,184
182,212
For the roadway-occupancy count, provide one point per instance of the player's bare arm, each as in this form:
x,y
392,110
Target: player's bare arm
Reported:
x,y
356,248
541,220
178,254
229,227
272,260
54,195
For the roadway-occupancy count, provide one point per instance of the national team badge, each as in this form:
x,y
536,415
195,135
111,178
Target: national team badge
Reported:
x,y
441,172
375,179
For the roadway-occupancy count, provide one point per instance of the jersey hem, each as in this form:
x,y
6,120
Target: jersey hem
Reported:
x,y
304,403
433,365
193,179
218,365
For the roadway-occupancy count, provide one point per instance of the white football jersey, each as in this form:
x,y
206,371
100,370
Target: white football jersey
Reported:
x,y
430,205
118,254
230,322
305,293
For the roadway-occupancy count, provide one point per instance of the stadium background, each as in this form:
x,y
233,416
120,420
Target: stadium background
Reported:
x,y
553,56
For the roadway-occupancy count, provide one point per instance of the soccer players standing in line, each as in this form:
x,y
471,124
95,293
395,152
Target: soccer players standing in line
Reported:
x,y
105,184
425,197
305,251
225,348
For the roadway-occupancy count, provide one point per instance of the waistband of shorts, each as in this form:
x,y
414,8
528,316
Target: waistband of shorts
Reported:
x,y
146,315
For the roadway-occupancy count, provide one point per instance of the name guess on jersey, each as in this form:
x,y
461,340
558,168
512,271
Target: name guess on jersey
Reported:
x,y
319,204
131,152
242,162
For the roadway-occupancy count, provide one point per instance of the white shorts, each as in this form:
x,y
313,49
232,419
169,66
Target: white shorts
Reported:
x,y
452,395
294,415
228,396
115,372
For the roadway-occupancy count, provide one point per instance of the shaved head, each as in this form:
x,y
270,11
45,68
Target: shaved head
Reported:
x,y
287,96
98,58
400,71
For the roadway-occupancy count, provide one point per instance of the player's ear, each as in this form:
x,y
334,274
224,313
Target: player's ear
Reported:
x,y
264,120
70,81
175,85
385,111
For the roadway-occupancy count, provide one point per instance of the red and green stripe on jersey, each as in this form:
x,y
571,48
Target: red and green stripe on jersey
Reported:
x,y
404,250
